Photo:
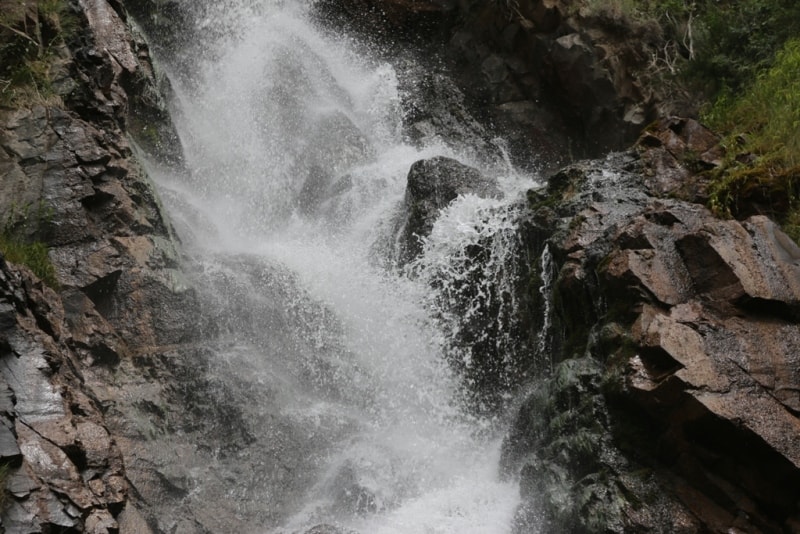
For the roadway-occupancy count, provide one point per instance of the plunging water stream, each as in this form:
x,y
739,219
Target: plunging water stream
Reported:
x,y
296,168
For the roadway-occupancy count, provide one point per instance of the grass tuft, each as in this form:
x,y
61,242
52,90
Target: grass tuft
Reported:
x,y
27,52
761,172
32,255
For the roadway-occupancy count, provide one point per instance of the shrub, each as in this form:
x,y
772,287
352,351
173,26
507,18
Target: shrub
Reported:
x,y
762,127
26,53
738,40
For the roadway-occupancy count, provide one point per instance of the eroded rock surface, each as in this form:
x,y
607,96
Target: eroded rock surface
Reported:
x,y
78,362
65,471
559,79
432,185
679,333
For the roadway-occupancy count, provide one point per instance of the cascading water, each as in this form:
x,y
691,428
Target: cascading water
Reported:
x,y
296,166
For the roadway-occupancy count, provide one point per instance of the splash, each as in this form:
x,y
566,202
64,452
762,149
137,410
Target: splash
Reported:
x,y
296,164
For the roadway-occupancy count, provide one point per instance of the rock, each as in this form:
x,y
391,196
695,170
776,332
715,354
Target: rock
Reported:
x,y
591,75
397,20
101,522
69,179
9,449
674,151
131,520
335,145
432,185
687,335
21,484
329,529
351,495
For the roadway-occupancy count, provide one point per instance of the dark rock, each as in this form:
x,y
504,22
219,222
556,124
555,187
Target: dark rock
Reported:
x,y
432,185
351,495
388,20
440,111
685,335
675,151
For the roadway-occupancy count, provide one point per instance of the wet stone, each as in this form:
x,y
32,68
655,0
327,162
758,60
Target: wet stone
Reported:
x,y
9,450
20,484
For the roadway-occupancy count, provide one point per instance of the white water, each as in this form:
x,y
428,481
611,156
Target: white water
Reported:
x,y
359,364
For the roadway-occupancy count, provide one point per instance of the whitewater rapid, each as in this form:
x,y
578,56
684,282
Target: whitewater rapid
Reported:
x,y
350,348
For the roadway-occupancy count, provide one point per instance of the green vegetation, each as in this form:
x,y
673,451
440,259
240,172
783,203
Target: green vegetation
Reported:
x,y
742,58
29,38
32,253
762,127
737,41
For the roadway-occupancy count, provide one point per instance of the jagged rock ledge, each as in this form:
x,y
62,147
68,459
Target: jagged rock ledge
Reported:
x,y
85,366
673,401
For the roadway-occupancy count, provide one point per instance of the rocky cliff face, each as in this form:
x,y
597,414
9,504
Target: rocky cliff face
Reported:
x,y
86,366
672,404
559,79
669,398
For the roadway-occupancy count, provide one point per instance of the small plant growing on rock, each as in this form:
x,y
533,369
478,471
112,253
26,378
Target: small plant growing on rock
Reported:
x,y
29,38
16,248
762,171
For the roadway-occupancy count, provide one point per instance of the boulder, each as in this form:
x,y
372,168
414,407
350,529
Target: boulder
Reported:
x,y
432,185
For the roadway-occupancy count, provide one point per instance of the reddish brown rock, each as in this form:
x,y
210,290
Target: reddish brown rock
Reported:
x,y
694,322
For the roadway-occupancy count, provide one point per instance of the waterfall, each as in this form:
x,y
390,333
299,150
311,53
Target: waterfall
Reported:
x,y
296,164
547,267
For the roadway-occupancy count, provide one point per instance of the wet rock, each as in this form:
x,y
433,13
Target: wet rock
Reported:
x,y
329,529
335,144
351,495
432,185
690,324
9,449
588,74
674,151
69,179
392,20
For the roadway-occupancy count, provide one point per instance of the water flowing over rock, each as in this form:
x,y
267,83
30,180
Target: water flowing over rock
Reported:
x,y
558,80
432,185
602,354
675,339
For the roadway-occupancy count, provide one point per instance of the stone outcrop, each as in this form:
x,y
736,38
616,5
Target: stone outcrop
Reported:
x,y
61,467
673,400
405,21
560,79
432,185
669,399
75,360
475,275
